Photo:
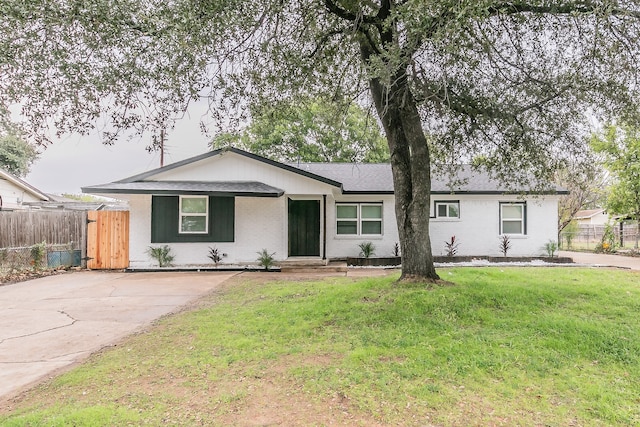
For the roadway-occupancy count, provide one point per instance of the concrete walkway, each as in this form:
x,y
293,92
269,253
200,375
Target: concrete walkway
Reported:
x,y
50,323
603,260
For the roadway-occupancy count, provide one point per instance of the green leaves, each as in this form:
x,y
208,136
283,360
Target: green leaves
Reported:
x,y
619,147
16,155
310,130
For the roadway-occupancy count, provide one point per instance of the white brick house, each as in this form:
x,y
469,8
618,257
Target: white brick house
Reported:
x,y
241,203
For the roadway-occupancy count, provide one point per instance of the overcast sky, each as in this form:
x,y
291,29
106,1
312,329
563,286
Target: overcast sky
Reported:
x,y
78,161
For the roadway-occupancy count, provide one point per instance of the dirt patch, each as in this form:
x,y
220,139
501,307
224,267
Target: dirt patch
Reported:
x,y
17,276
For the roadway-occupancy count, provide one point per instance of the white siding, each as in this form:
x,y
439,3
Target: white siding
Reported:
x,y
339,246
478,229
13,196
234,167
259,223
262,222
139,230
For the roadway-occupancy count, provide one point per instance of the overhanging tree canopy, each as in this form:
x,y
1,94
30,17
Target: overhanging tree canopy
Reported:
x,y
310,130
512,82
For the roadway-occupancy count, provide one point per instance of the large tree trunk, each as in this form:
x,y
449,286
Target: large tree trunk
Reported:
x,y
410,164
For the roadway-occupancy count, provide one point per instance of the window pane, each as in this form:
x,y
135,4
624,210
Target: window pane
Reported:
x,y
197,224
194,205
372,211
512,211
371,227
347,211
347,227
453,210
442,210
512,227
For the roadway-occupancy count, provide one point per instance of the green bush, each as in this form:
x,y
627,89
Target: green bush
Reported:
x,y
265,259
367,249
162,255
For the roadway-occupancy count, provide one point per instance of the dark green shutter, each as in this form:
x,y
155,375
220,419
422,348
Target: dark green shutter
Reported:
x,y
222,218
164,219
165,216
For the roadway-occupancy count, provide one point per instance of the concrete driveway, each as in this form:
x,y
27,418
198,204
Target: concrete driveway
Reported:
x,y
603,260
50,323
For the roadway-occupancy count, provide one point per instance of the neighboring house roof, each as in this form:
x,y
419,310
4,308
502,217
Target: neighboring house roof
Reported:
x,y
588,213
62,203
23,185
351,178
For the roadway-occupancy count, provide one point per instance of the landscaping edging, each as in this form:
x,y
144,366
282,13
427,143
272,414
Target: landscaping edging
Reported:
x,y
387,261
555,260
374,261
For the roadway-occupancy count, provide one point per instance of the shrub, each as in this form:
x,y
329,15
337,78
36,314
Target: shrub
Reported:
x,y
266,259
162,255
214,256
608,242
367,249
451,247
38,252
505,244
551,247
396,249
570,231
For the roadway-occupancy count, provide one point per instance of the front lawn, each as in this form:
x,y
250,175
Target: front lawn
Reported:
x,y
503,346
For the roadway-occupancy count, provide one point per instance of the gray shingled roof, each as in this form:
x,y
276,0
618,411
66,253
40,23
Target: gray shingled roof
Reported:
x,y
361,178
377,178
235,188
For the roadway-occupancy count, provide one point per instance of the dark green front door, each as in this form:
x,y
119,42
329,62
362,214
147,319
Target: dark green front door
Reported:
x,y
304,227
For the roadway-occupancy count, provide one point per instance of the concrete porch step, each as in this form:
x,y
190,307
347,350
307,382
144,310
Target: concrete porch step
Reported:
x,y
313,267
300,261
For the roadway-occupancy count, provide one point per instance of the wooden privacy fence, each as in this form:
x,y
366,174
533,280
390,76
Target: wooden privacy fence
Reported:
x,y
101,236
27,228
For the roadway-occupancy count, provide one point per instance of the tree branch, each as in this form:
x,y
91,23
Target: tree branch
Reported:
x,y
349,16
581,7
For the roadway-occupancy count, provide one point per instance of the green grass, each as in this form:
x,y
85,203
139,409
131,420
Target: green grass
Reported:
x,y
526,346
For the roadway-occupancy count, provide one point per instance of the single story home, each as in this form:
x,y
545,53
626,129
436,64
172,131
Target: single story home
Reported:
x,y
592,217
241,203
16,194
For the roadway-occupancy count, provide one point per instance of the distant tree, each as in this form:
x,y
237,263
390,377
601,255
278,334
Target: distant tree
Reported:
x,y
16,154
619,147
586,182
310,131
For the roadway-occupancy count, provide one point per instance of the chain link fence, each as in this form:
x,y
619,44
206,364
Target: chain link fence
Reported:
x,y
39,257
591,237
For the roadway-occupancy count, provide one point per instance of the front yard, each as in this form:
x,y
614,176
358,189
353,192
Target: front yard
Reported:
x,y
503,346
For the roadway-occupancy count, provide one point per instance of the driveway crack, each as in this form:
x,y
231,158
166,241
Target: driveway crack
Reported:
x,y
73,321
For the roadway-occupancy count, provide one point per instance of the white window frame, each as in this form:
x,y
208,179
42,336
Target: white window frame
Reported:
x,y
522,220
359,219
185,214
447,203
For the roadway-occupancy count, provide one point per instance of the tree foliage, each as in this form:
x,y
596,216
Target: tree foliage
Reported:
x,y
508,81
16,154
619,147
310,131
586,182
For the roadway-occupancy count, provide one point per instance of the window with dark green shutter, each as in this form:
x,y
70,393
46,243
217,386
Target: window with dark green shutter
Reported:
x,y
168,218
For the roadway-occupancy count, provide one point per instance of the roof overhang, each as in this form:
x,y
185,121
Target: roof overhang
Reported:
x,y
210,188
222,151
23,185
